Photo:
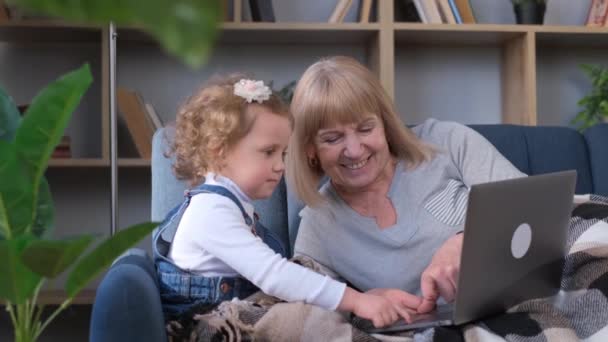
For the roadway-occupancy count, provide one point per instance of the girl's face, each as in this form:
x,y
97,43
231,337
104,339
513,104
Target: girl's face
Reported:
x,y
257,161
355,156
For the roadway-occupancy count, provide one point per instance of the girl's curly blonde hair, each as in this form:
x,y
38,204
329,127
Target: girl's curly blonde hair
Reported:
x,y
210,123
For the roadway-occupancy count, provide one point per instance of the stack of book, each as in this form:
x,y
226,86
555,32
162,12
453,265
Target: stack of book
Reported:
x,y
63,150
365,11
141,119
598,13
439,11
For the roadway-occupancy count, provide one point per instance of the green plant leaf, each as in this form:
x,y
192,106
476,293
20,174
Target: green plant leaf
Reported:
x,y
104,254
185,28
44,221
9,117
50,258
41,130
17,282
16,195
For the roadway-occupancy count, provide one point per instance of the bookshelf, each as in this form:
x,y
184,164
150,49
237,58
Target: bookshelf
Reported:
x,y
472,73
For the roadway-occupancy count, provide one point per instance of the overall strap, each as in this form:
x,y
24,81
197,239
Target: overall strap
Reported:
x,y
165,232
220,190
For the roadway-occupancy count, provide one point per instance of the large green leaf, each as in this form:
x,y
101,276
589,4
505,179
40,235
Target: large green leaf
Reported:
x,y
6,152
41,130
186,28
9,117
102,256
50,258
16,194
44,221
17,282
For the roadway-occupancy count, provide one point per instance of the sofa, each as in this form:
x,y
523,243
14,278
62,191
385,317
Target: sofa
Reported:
x,y
127,304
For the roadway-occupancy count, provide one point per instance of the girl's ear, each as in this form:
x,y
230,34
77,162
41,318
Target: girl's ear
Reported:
x,y
218,155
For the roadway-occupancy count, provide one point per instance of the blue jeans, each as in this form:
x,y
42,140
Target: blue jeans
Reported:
x,y
182,290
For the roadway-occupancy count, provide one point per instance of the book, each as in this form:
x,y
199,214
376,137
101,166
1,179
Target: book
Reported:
x,y
432,12
420,10
598,11
154,118
63,149
261,10
446,11
340,11
226,12
4,13
455,11
466,11
134,112
366,9
406,11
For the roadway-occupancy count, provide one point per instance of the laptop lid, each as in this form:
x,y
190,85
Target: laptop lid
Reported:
x,y
514,243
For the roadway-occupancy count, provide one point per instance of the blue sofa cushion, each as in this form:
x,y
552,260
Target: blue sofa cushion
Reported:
x,y
597,142
536,150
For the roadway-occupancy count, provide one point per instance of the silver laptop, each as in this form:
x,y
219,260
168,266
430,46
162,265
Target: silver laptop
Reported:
x,y
514,248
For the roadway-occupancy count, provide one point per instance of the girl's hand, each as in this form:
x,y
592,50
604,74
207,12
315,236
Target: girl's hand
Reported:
x,y
403,299
379,310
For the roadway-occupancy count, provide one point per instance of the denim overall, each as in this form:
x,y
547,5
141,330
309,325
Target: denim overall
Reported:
x,y
181,289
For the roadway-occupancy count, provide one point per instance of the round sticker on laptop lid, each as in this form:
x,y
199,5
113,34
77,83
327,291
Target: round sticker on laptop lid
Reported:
x,y
521,240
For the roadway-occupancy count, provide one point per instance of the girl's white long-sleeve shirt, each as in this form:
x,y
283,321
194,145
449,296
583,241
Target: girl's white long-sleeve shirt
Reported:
x,y
212,239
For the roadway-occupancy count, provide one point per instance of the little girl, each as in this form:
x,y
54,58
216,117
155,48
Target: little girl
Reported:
x,y
230,144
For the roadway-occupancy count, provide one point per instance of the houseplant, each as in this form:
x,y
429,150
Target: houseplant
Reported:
x,y
186,28
29,256
595,104
529,11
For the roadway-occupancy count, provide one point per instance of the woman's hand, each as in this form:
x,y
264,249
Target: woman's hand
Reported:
x,y
378,309
440,278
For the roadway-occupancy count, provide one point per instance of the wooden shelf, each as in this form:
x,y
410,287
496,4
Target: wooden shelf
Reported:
x,y
575,36
97,162
56,297
79,162
277,33
455,35
488,34
20,31
51,297
133,162
297,33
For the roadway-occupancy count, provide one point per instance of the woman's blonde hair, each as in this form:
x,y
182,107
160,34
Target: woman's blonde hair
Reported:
x,y
341,90
210,123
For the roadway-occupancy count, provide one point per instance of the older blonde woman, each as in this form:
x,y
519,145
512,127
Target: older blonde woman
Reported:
x,y
391,213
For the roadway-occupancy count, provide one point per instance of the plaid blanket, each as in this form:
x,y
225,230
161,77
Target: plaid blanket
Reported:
x,y
578,312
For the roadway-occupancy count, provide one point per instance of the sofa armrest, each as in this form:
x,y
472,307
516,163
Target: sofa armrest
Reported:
x,y
597,142
127,305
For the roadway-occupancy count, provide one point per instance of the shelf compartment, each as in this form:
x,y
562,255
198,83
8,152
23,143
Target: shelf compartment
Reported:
x,y
35,31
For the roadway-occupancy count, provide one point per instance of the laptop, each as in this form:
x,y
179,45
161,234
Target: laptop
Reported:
x,y
514,249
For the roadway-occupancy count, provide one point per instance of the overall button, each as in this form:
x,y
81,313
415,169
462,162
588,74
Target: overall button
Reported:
x,y
225,288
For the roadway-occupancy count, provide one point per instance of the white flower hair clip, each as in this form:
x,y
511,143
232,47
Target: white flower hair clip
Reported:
x,y
252,90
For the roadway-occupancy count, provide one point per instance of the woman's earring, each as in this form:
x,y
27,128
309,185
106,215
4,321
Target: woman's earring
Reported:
x,y
313,162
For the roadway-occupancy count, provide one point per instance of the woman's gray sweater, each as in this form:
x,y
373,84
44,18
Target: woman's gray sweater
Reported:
x,y
430,202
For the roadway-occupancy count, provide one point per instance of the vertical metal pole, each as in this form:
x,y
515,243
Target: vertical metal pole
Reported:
x,y
113,138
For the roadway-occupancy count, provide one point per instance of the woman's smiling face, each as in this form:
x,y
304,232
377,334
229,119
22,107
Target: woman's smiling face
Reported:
x,y
355,155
